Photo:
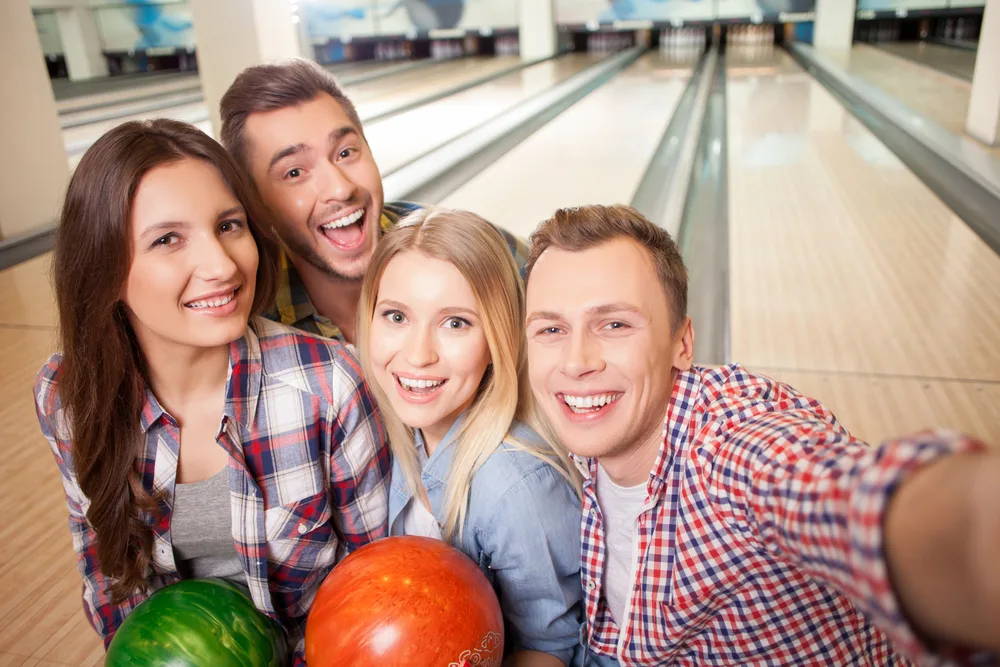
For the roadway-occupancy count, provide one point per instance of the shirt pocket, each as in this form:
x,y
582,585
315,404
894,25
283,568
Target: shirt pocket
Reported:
x,y
300,535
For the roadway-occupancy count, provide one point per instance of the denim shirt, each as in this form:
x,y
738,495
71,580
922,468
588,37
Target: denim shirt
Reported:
x,y
522,528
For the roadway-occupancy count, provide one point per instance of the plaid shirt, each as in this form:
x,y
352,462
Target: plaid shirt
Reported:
x,y
308,473
293,307
760,541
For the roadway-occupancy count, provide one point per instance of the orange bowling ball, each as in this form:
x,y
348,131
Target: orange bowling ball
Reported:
x,y
405,602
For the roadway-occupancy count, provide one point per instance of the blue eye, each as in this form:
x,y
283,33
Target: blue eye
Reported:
x,y
394,316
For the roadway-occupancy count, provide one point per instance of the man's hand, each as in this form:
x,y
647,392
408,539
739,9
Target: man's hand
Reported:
x,y
942,543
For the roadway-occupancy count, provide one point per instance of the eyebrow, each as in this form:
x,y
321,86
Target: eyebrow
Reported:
x,y
296,149
179,224
596,311
286,152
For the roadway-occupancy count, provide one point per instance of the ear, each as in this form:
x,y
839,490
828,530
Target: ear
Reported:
x,y
683,346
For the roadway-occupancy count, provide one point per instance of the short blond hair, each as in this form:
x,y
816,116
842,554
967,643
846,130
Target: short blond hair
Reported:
x,y
584,227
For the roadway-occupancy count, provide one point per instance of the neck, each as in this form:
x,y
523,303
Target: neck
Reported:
x,y
181,376
335,299
632,467
632,464
434,436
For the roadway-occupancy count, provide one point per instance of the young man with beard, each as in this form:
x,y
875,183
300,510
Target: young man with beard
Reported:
x,y
729,520
298,136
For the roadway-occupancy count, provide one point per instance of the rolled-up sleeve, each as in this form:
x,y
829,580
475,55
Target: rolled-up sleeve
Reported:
x,y
533,539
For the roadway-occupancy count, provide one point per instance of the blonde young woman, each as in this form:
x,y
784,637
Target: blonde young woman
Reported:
x,y
441,338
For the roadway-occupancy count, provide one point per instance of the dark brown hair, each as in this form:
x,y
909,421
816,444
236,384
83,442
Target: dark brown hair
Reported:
x,y
263,88
101,378
578,229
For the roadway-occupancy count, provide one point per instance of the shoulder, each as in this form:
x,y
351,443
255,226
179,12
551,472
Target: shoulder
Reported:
x,y
735,392
48,403
396,210
311,363
46,389
512,470
758,419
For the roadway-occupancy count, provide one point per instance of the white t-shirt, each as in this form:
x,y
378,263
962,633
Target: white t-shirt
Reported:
x,y
620,507
416,519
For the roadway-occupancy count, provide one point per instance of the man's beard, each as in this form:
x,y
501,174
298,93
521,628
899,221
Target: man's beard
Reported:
x,y
304,246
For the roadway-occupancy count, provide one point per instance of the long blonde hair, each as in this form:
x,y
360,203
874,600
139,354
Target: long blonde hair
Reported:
x,y
479,252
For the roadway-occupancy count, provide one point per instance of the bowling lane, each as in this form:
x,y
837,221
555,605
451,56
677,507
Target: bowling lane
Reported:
x,y
940,97
378,96
595,152
398,140
845,267
65,90
122,101
960,63
143,89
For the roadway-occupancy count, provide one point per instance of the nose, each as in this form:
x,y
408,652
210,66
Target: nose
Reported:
x,y
334,185
583,356
212,261
421,348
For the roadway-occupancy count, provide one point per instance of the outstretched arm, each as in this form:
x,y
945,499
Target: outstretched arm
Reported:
x,y
846,514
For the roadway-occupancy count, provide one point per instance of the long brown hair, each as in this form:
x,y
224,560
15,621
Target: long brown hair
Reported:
x,y
101,381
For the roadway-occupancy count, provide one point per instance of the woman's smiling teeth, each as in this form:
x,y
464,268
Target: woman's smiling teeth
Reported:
x,y
419,386
346,220
590,403
214,302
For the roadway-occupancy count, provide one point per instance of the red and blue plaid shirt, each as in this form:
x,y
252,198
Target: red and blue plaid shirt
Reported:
x,y
308,473
760,541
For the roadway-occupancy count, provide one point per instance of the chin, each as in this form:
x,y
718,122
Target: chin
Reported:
x,y
224,334
416,418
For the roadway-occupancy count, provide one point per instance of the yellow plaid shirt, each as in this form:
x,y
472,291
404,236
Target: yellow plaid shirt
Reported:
x,y
292,305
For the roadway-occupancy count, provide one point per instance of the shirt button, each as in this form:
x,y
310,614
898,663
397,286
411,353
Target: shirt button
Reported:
x,y
302,528
591,585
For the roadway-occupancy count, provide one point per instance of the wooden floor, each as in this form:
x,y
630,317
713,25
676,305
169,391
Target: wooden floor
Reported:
x,y
41,622
850,281
849,278
941,97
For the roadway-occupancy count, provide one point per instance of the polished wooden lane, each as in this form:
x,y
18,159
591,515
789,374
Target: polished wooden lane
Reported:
x,y
595,152
371,97
399,139
939,97
844,265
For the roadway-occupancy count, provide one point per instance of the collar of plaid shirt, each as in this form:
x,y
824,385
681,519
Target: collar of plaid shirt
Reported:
x,y
243,384
760,539
292,305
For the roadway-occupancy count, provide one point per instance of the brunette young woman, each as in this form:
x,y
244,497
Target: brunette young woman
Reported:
x,y
441,338
194,438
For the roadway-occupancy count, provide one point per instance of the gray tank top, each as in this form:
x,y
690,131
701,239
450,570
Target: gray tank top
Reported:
x,y
202,530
